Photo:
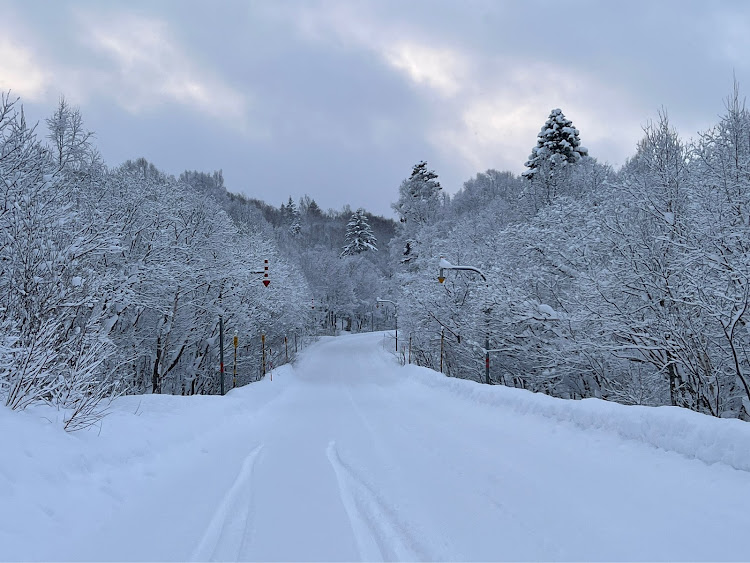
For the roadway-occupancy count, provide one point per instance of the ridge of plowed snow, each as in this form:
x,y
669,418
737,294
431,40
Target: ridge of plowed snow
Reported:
x,y
691,434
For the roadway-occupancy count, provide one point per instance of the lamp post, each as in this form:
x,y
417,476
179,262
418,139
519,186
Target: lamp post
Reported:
x,y
379,301
445,265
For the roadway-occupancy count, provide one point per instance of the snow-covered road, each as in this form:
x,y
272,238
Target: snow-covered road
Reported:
x,y
349,456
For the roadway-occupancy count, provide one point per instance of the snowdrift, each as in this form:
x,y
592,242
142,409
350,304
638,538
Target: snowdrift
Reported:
x,y
691,434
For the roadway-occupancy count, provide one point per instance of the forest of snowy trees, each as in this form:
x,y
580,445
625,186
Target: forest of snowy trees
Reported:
x,y
113,280
630,285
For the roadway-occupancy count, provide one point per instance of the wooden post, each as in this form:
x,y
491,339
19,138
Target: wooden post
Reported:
x,y
487,359
263,355
442,339
410,348
234,374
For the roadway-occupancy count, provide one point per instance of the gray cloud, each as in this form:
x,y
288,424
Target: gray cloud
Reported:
x,y
339,99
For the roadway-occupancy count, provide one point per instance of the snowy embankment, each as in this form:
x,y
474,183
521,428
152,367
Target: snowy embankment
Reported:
x,y
693,435
56,488
348,456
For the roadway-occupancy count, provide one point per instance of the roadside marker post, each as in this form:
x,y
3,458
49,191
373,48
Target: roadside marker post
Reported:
x,y
266,281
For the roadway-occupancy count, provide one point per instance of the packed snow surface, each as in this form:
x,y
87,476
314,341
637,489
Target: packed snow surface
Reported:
x,y
349,456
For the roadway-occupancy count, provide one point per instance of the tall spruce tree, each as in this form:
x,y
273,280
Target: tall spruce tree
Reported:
x,y
419,197
359,235
293,217
557,146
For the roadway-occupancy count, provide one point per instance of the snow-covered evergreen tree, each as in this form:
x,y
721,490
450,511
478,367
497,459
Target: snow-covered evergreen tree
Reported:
x,y
557,145
419,196
549,175
418,206
293,217
359,235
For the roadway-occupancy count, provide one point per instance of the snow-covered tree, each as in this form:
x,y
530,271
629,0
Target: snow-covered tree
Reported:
x,y
419,204
419,197
293,218
558,146
359,235
718,256
52,241
71,144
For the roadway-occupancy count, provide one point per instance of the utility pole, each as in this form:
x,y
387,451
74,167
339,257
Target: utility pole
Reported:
x,y
442,341
221,339
221,351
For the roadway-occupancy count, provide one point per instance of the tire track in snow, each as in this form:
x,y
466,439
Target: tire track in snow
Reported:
x,y
400,489
227,533
378,532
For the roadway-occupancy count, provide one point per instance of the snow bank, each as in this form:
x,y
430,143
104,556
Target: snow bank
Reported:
x,y
135,427
693,435
55,481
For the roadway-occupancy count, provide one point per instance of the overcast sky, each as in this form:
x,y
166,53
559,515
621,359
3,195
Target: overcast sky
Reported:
x,y
338,99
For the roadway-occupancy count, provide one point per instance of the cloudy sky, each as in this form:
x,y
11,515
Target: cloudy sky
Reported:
x,y
338,99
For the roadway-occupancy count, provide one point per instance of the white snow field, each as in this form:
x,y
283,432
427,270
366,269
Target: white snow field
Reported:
x,y
349,456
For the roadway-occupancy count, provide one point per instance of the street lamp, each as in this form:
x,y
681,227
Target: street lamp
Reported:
x,y
445,265
379,301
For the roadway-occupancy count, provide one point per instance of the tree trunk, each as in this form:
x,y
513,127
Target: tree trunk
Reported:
x,y
155,381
